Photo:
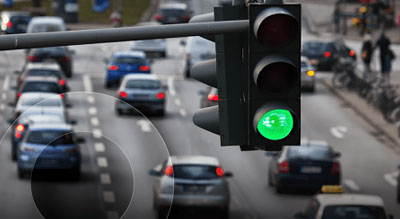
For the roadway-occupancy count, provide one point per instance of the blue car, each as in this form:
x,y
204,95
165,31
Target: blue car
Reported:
x,y
49,147
123,63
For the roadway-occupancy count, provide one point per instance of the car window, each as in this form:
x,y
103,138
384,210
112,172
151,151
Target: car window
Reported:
x,y
195,172
49,51
142,84
45,28
127,60
50,137
39,72
172,12
38,86
50,102
310,152
313,48
353,212
20,19
312,209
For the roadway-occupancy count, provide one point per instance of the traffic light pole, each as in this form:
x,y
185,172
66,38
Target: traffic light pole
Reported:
x,y
65,38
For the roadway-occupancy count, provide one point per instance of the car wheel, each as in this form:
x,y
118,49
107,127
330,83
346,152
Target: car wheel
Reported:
x,y
108,84
279,189
75,174
187,72
270,180
398,191
163,54
13,154
161,214
68,74
22,174
119,111
224,214
161,112
312,89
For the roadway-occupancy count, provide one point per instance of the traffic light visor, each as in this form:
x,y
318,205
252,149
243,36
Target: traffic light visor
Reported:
x,y
275,26
275,124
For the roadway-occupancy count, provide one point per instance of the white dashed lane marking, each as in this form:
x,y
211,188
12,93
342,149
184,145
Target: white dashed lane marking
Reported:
x,y
87,84
182,112
105,179
92,111
6,83
108,196
102,162
97,133
338,131
391,178
351,185
95,121
145,125
99,147
178,102
171,87
4,96
90,99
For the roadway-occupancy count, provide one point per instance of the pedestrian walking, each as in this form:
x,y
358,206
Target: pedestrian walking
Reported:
x,y
386,56
366,53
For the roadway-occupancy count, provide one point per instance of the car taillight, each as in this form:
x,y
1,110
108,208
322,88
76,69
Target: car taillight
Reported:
x,y
64,59
28,149
284,167
9,24
310,73
327,54
144,68
169,171
335,168
113,67
20,127
159,17
62,96
352,53
33,59
160,96
213,97
123,94
219,171
61,82
19,95
18,135
185,17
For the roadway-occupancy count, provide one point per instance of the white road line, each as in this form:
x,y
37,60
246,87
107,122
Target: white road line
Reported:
x,y
99,147
105,179
145,125
102,162
351,185
90,99
95,121
178,102
97,133
391,178
87,83
171,87
109,196
182,112
4,96
2,107
92,111
6,82
112,215
336,133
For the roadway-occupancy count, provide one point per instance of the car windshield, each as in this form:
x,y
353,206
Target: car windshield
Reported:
x,y
316,48
46,73
38,86
24,20
46,28
127,60
353,212
50,137
195,172
40,102
310,152
49,51
40,118
143,84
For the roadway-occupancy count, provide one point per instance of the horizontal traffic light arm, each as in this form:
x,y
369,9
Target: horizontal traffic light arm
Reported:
x,y
65,38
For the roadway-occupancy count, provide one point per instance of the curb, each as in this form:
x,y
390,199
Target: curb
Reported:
x,y
395,143
146,16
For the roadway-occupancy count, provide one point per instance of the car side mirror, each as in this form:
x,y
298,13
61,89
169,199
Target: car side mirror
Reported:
x,y
300,215
153,172
10,121
80,140
182,43
336,154
228,174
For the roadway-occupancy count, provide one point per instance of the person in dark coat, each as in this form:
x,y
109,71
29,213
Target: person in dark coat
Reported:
x,y
366,52
384,43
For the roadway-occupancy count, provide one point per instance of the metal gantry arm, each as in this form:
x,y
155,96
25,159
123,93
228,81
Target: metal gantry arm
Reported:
x,y
65,38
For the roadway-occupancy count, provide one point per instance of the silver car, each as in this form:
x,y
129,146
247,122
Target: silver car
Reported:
x,y
38,101
190,182
307,75
152,48
198,49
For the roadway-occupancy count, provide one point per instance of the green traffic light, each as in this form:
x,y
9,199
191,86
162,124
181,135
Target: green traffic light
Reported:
x,y
275,124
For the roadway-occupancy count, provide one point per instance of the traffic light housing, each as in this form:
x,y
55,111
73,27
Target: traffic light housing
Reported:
x,y
273,76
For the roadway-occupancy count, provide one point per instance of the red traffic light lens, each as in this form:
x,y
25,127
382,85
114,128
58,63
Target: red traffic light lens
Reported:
x,y
275,26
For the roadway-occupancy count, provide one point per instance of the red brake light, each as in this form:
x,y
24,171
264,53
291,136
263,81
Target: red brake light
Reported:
x,y
20,127
220,171
159,17
113,67
213,97
19,95
352,53
335,168
9,24
185,17
33,59
62,96
169,171
64,59
123,94
144,68
18,135
327,54
160,95
284,167
61,82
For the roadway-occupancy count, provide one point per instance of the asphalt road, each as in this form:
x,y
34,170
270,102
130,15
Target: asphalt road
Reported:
x,y
119,150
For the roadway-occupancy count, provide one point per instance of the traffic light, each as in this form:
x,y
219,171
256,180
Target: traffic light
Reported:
x,y
273,104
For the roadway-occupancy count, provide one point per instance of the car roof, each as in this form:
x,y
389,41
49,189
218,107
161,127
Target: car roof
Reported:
x,y
12,13
56,126
43,118
40,79
43,66
47,20
349,199
190,160
141,77
129,53
36,95
173,5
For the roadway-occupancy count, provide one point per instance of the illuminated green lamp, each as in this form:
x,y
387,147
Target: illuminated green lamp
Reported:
x,y
275,124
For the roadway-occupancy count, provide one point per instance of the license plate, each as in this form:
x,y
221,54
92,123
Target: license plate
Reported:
x,y
314,61
311,169
173,19
49,162
22,26
194,188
